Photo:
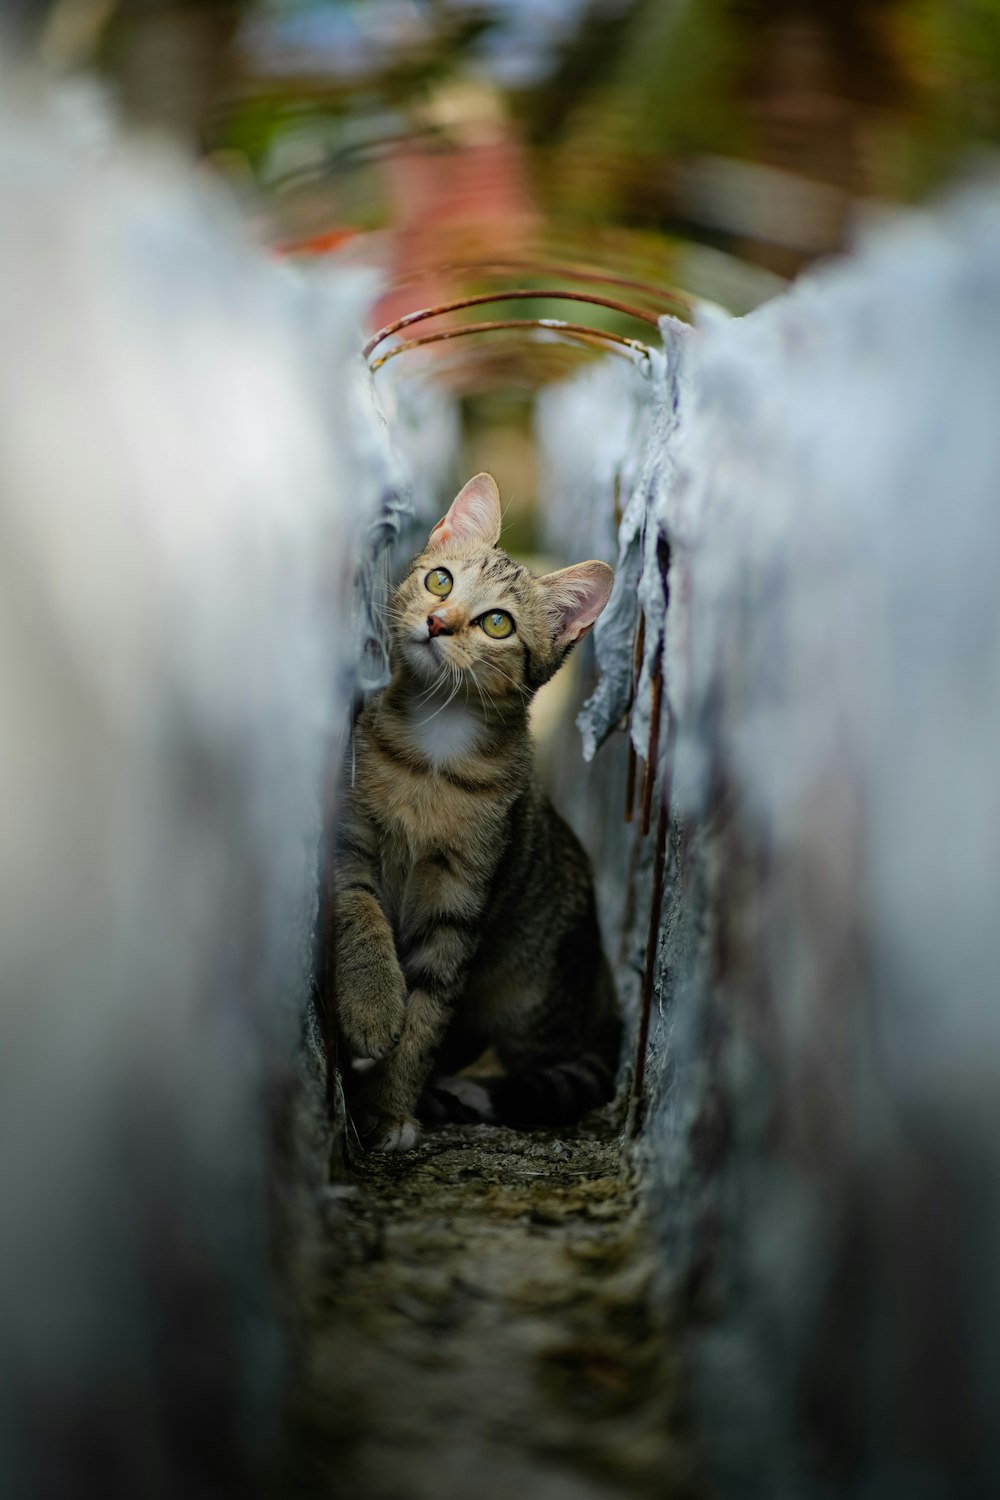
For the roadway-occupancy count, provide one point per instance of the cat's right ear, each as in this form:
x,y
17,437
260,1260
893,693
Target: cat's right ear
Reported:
x,y
575,598
473,516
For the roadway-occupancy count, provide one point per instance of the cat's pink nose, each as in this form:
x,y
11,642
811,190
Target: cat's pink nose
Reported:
x,y
436,626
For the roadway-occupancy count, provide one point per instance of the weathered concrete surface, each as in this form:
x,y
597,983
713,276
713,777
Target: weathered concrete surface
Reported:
x,y
819,499
485,1325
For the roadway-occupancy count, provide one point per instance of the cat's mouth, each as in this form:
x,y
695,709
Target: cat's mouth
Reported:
x,y
425,652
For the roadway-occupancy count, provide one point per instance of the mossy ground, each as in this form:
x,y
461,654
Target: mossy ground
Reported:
x,y
484,1328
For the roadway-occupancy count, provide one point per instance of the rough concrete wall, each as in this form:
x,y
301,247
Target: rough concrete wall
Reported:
x,y
179,493
405,438
597,454
824,1070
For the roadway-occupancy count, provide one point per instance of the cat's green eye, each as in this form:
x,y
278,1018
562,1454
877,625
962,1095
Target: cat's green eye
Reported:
x,y
439,582
497,624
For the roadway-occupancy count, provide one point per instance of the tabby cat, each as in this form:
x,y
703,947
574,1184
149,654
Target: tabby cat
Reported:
x,y
464,904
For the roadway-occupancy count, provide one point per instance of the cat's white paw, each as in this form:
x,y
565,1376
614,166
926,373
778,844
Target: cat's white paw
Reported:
x,y
394,1133
470,1093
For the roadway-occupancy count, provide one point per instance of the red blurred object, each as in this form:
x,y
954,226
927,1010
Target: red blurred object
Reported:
x,y
455,203
316,244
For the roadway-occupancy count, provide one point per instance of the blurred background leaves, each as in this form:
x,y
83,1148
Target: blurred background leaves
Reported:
x,y
649,113
715,146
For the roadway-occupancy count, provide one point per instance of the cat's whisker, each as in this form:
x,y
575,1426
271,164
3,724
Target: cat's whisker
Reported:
x,y
479,689
464,670
512,680
394,614
450,698
485,695
428,692
436,686
444,679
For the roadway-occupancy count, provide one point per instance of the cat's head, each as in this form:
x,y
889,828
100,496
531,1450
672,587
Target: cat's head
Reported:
x,y
467,614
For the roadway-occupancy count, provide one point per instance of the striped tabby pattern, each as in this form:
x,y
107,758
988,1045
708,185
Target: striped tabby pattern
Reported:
x,y
465,906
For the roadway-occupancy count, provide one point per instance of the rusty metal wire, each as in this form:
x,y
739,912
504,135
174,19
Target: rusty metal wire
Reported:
x,y
637,1101
423,314
653,752
670,299
551,325
637,654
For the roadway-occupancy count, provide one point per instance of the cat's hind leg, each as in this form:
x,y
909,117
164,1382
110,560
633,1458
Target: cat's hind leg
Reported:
x,y
560,1047
458,1101
449,1098
529,1097
554,1093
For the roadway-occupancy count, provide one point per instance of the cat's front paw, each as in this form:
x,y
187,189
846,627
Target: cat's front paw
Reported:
x,y
372,1019
390,1133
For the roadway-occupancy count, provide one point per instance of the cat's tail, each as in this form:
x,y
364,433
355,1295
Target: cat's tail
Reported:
x,y
555,1094
546,1094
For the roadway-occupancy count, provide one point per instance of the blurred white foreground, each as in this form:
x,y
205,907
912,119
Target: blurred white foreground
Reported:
x,y
176,521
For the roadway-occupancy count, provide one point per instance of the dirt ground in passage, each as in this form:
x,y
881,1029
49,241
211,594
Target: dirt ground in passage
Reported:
x,y
483,1329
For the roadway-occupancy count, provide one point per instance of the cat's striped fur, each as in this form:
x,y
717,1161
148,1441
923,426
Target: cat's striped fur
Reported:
x,y
465,906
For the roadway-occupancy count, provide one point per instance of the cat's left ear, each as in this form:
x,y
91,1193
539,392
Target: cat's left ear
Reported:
x,y
473,516
576,596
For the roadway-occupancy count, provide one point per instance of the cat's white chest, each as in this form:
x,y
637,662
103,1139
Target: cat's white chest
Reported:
x,y
444,735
